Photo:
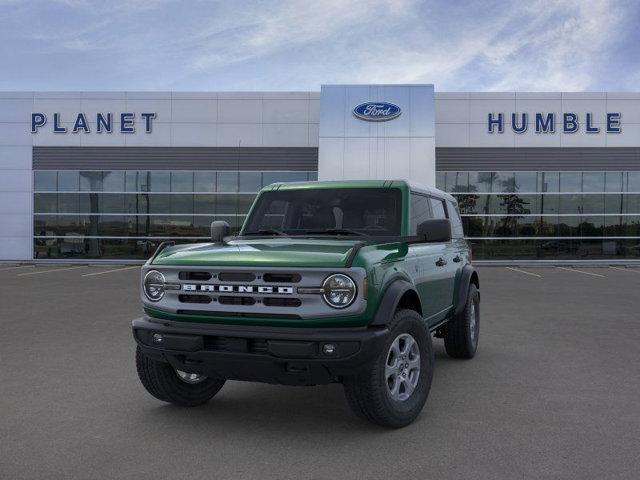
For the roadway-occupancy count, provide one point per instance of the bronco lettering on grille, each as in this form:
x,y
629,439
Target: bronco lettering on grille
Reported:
x,y
260,289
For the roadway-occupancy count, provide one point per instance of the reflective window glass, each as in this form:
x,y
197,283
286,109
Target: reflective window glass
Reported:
x,y
45,203
631,203
181,203
591,226
204,204
437,208
250,181
227,182
613,182
571,181
592,203
456,223
313,176
182,181
440,180
593,181
274,177
504,182
158,203
113,181
468,203
112,203
45,181
68,181
613,203
204,181
570,203
548,226
480,181
548,182
92,181
526,182
159,181
136,181
549,203
68,203
457,181
633,181
420,211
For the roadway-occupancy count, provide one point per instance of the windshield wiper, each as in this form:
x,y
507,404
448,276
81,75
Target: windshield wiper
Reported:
x,y
337,231
267,231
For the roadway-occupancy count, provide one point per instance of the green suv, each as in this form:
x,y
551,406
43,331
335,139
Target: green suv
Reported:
x,y
326,282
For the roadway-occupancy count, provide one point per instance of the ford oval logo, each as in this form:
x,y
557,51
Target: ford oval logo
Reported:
x,y
377,111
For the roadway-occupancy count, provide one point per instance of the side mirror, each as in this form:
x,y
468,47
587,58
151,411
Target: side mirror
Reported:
x,y
219,230
435,230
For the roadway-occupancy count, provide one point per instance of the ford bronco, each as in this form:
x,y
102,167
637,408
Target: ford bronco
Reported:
x,y
342,281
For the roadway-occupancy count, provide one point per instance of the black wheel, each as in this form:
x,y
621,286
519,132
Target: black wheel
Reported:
x,y
462,332
174,386
392,390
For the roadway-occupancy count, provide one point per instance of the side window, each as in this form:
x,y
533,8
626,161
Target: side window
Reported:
x,y
420,211
437,207
456,222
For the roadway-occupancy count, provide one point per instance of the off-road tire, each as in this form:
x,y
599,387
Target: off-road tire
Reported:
x,y
459,341
367,393
161,381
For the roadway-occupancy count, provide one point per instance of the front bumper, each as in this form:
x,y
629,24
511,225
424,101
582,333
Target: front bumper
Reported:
x,y
288,356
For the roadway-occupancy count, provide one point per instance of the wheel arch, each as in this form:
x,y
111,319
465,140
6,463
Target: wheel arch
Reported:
x,y
469,276
399,294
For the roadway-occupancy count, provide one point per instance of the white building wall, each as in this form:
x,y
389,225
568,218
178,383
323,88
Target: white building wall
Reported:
x,y
183,119
461,118
350,148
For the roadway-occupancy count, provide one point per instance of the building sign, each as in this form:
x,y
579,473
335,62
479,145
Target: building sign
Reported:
x,y
377,111
103,122
552,123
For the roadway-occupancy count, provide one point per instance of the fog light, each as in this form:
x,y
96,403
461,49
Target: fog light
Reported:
x,y
328,348
156,338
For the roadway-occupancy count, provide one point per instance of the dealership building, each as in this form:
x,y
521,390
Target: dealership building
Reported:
x,y
110,175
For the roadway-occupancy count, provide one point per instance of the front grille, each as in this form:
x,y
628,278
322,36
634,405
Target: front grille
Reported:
x,y
281,277
227,300
214,313
261,292
282,302
197,276
195,298
236,277
236,344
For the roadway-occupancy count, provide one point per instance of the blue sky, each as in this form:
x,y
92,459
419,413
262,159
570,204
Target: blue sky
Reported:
x,y
536,45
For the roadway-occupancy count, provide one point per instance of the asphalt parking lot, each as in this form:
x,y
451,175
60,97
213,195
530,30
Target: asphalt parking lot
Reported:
x,y
554,392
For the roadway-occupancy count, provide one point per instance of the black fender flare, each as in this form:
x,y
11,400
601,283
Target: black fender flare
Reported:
x,y
465,280
390,300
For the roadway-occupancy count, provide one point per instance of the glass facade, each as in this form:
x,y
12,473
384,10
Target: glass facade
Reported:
x,y
551,215
548,215
126,214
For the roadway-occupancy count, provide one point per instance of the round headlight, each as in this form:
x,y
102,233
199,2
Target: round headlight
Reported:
x,y
153,285
339,291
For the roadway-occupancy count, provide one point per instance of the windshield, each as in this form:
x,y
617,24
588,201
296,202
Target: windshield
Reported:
x,y
331,211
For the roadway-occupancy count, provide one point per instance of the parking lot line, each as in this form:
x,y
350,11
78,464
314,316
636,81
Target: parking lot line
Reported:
x,y
49,271
581,271
15,268
514,269
632,270
110,271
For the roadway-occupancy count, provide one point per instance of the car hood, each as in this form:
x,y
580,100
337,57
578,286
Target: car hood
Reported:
x,y
273,252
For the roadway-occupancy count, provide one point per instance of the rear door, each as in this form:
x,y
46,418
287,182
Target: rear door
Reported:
x,y
446,262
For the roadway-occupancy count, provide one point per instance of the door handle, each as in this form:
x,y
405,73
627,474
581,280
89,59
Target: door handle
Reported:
x,y
457,258
441,262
